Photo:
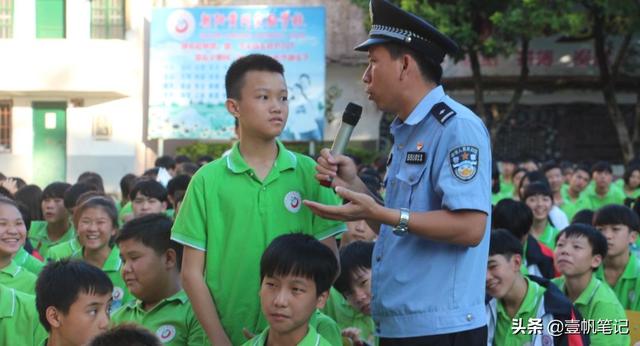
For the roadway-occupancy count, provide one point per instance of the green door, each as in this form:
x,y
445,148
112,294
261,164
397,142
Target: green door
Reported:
x,y
49,142
50,18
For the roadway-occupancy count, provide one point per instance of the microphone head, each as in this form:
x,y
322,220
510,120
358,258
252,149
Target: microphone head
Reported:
x,y
352,114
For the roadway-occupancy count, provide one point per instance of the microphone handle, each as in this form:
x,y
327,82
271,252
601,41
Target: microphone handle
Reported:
x,y
339,145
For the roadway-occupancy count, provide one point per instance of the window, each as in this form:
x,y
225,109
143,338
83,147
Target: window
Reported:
x,y
5,126
6,18
107,19
50,19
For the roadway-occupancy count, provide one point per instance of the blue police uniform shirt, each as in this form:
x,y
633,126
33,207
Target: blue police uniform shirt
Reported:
x,y
423,287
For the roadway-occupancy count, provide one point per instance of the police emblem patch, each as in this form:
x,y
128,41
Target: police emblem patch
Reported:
x,y
166,333
464,162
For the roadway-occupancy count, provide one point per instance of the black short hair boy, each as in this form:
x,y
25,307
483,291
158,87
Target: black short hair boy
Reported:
x,y
55,190
149,188
503,242
300,255
60,283
614,214
234,80
514,216
597,241
154,231
353,257
126,334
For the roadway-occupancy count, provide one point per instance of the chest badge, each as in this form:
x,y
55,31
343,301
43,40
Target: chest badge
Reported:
x,y
416,157
419,146
464,162
293,201
166,333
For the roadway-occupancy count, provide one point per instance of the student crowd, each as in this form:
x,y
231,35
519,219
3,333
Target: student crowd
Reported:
x,y
227,253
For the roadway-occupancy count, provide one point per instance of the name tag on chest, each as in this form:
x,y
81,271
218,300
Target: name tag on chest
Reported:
x,y
416,158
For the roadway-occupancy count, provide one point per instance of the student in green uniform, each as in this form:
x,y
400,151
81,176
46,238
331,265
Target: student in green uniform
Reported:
x,y
621,268
125,211
148,197
571,192
151,269
237,204
354,283
539,199
520,298
176,187
19,324
13,233
553,173
602,192
630,182
73,300
579,251
96,220
296,272
126,334
56,227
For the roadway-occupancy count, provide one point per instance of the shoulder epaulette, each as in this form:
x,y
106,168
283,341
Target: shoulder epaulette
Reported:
x,y
442,112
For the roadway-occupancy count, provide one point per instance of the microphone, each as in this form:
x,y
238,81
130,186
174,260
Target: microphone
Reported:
x,y
350,118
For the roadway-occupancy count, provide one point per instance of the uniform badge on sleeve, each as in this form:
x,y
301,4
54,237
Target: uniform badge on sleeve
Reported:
x,y
464,162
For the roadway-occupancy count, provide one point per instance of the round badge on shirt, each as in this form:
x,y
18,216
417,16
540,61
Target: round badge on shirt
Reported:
x,y
166,333
293,201
117,293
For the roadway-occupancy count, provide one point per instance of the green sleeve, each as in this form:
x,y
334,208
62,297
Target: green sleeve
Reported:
x,y
328,329
325,228
190,225
197,336
612,312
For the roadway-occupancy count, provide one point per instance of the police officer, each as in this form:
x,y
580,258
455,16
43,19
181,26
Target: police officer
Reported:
x,y
429,262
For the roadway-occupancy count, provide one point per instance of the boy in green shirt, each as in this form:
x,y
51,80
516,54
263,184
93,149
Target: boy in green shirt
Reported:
x,y
571,202
148,197
296,272
354,283
13,233
151,269
579,251
237,204
602,192
516,298
620,268
19,324
73,299
55,228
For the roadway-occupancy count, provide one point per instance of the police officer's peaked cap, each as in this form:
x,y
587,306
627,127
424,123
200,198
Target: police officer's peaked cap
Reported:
x,y
392,24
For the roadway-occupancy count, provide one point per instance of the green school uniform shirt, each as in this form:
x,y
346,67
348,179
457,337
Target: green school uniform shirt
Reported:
x,y
40,239
127,209
345,316
111,267
19,323
599,302
569,206
326,327
594,202
620,185
14,276
548,236
311,339
64,250
627,289
232,216
503,334
28,262
172,320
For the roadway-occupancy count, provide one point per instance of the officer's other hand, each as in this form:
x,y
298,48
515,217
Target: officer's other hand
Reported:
x,y
338,169
360,206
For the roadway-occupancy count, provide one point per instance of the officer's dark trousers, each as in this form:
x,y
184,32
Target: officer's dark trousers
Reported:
x,y
473,337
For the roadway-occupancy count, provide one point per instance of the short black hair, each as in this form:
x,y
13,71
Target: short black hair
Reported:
x,y
189,168
549,165
430,70
74,192
92,178
30,196
597,241
153,231
601,166
151,173
302,255
615,214
584,216
514,216
60,283
583,168
204,159
126,184
537,188
628,171
180,182
129,334
502,242
182,159
355,256
55,190
234,79
149,188
166,162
